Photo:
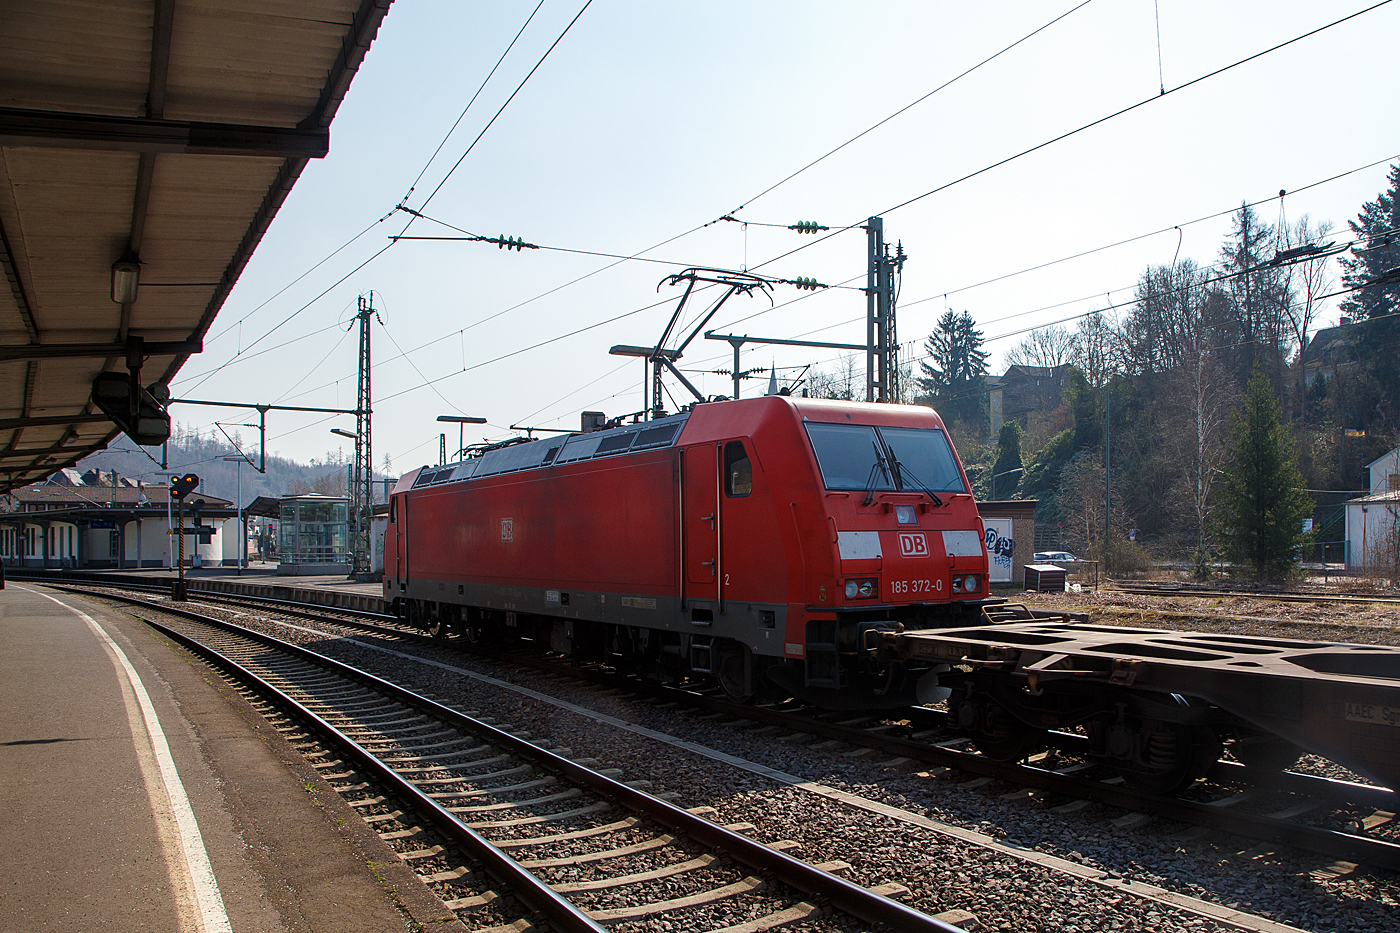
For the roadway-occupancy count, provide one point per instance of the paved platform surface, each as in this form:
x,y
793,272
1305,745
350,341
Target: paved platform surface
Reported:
x,y
330,590
138,792
259,573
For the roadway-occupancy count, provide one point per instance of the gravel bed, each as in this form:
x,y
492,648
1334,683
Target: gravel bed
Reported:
x,y
1004,893
1358,623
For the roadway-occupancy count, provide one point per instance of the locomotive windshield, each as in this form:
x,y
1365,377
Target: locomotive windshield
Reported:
x,y
860,456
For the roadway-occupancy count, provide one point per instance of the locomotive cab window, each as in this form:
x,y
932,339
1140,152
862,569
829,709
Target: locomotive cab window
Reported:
x,y
858,456
738,470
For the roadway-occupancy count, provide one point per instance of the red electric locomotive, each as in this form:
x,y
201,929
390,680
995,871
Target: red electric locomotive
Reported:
x,y
759,540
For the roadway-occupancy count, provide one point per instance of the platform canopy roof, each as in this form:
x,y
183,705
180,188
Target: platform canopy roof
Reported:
x,y
164,133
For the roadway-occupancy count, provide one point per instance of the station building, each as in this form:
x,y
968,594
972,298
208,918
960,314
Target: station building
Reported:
x,y
100,520
1373,520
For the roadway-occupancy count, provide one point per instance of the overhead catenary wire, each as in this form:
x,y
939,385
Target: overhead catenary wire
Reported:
x,y
487,80
1073,132
945,293
771,188
1018,332
907,107
1142,103
434,192
494,117
510,242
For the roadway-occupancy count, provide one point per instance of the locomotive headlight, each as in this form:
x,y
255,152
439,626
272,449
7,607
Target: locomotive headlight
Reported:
x,y
957,584
970,584
862,589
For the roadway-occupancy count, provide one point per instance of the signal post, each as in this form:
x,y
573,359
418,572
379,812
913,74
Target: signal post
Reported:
x,y
180,486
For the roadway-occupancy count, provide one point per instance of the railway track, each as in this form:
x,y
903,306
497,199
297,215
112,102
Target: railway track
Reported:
x,y
1191,590
510,833
1337,818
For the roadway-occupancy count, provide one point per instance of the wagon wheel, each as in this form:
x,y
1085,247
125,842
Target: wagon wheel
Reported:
x,y
1177,755
1003,737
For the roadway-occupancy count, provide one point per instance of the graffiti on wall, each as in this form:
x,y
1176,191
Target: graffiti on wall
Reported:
x,y
1000,548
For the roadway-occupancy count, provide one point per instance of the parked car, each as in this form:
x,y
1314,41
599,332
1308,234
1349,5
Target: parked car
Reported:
x,y
1044,557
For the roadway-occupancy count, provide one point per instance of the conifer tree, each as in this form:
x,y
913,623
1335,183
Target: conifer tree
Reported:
x,y
1264,501
954,373
1372,271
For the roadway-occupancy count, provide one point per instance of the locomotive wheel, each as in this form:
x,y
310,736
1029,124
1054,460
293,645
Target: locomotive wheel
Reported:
x,y
474,627
438,627
1178,755
732,672
622,652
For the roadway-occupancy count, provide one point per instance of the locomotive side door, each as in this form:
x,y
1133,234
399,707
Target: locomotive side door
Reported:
x,y
401,541
700,535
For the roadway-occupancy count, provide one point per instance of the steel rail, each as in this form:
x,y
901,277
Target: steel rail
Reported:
x,y
846,896
1334,843
1141,590
531,889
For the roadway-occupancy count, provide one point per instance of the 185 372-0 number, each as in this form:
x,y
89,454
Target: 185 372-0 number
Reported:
x,y
915,586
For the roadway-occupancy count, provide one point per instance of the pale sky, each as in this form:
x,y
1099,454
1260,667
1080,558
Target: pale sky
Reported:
x,y
651,119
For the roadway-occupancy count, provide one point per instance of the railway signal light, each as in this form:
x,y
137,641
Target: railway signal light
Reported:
x,y
807,226
180,486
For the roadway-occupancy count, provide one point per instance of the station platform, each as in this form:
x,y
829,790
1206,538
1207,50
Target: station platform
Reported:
x,y
140,793
259,580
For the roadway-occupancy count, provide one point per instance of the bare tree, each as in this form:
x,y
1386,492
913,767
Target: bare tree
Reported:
x,y
1045,346
1164,327
1081,501
1198,442
1308,281
1094,346
838,382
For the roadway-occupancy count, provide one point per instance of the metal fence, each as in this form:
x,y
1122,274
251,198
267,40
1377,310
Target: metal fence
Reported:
x,y
1326,552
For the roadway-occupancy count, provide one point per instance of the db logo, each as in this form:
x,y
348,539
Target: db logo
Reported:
x,y
913,545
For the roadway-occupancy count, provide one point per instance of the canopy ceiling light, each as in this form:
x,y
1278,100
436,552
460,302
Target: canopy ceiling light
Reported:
x,y
125,275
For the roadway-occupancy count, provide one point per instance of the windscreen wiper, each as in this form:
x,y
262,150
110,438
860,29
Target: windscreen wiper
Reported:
x,y
878,468
902,472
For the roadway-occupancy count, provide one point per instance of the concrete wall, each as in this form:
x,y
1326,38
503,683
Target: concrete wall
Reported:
x,y
232,543
155,544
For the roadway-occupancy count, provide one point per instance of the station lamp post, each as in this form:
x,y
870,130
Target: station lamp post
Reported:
x,y
1002,473
242,523
461,421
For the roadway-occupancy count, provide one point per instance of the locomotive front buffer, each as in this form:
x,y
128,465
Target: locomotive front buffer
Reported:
x,y
1160,705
